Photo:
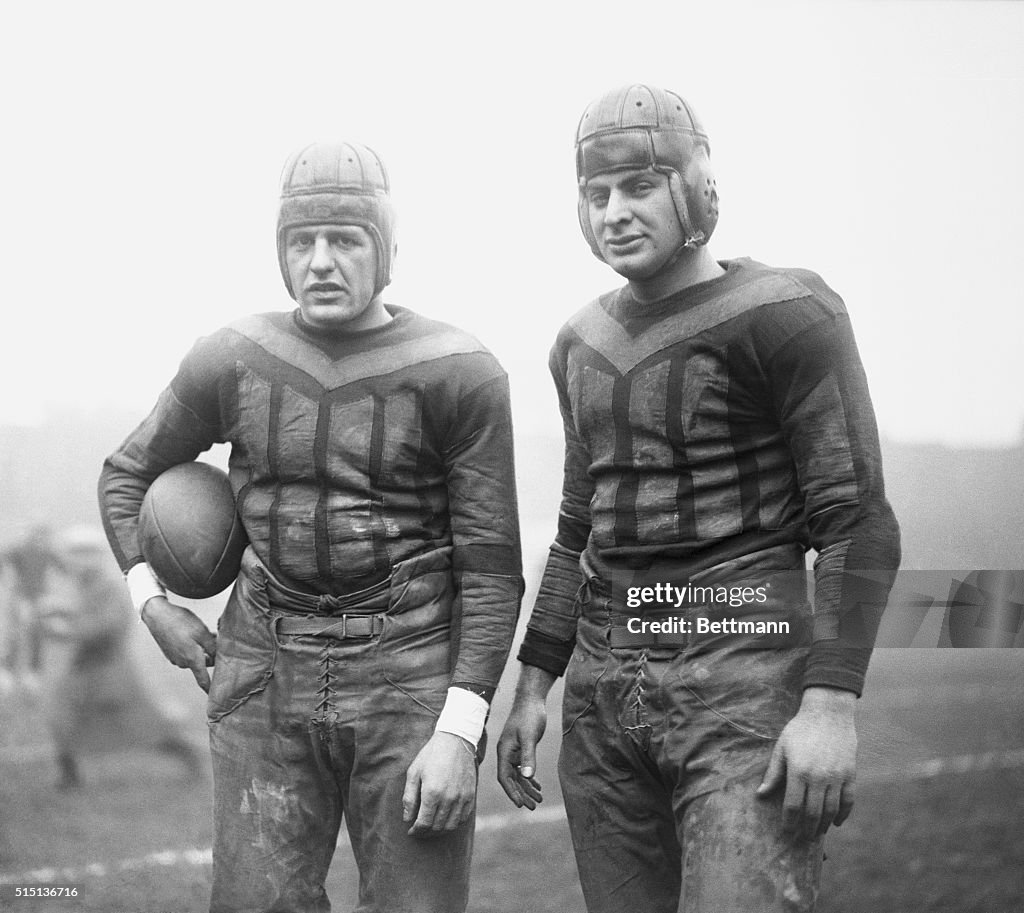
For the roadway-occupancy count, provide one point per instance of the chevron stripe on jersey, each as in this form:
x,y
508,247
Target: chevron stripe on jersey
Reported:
x,y
333,372
604,334
348,453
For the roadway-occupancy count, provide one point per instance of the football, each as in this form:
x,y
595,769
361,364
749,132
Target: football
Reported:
x,y
190,534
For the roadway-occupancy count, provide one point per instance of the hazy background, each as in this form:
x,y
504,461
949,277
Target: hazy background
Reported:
x,y
876,143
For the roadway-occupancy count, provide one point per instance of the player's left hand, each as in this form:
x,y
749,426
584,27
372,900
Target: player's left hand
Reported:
x,y
440,787
815,757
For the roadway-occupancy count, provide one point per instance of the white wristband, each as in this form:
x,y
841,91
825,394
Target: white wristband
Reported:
x,y
143,585
464,714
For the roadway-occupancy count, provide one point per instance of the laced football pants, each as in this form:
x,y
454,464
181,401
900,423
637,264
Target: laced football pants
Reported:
x,y
307,730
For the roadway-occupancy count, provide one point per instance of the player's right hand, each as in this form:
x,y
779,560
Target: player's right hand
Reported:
x,y
517,751
182,637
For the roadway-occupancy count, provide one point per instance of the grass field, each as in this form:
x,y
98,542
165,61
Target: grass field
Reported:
x,y
939,823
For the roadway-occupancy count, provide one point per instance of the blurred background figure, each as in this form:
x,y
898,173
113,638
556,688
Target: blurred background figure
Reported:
x,y
95,697
25,566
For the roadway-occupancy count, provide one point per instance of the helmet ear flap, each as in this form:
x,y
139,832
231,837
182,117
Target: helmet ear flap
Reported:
x,y
282,261
692,237
583,213
381,226
701,192
695,195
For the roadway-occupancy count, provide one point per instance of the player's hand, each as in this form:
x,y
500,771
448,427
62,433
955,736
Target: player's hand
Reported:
x,y
816,758
182,637
517,750
440,787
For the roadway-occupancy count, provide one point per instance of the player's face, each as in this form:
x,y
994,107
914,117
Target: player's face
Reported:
x,y
634,220
332,270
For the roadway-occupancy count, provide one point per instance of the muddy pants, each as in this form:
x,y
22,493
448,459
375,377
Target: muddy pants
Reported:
x,y
663,747
310,728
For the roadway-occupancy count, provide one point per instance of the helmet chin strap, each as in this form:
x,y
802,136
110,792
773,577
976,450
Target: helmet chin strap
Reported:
x,y
689,244
671,261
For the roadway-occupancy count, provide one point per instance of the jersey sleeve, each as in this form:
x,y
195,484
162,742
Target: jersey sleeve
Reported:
x,y
551,632
820,395
486,554
184,422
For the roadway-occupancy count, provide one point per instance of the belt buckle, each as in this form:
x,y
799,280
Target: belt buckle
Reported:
x,y
362,635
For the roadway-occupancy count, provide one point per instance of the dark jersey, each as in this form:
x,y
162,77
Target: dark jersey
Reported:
x,y
729,418
349,453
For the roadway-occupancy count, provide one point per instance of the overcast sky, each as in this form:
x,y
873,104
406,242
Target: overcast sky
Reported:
x,y
878,144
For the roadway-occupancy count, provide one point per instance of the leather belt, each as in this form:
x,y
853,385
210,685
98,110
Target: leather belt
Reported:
x,y
337,627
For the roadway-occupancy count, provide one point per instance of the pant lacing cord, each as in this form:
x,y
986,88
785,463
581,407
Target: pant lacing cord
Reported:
x,y
325,692
638,706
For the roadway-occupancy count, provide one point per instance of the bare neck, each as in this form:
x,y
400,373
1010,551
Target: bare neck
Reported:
x,y
693,265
